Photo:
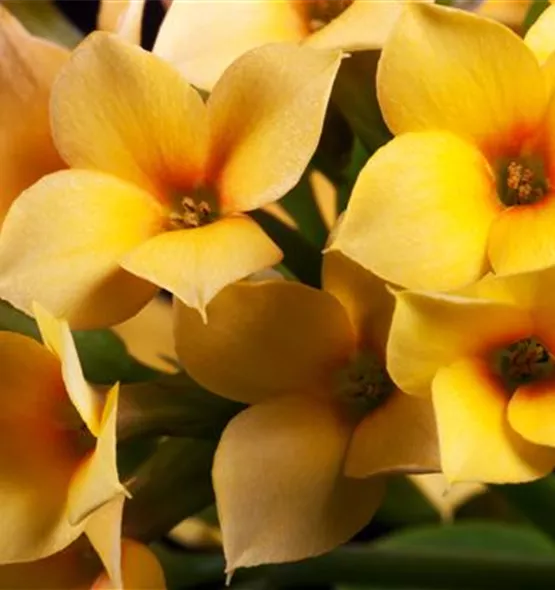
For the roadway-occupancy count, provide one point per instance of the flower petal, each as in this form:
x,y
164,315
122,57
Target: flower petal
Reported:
x,y
539,37
266,119
399,435
264,339
35,471
363,26
123,17
57,338
202,38
61,243
477,443
195,264
28,66
495,96
146,124
279,486
364,296
430,331
530,411
427,227
521,238
103,529
96,482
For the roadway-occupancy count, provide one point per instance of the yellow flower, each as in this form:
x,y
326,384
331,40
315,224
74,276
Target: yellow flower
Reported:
x,y
58,470
160,179
467,184
485,355
76,567
312,364
202,37
28,66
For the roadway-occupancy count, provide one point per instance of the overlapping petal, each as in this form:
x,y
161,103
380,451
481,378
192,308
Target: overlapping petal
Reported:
x,y
539,37
202,38
123,17
477,441
264,340
365,297
430,331
145,125
399,435
195,264
266,118
420,212
28,67
481,99
529,410
67,234
279,464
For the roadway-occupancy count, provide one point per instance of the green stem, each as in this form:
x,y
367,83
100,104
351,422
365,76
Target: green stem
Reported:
x,y
534,500
380,567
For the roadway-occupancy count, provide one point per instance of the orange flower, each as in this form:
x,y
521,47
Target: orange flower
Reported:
x,y
160,180
312,364
468,184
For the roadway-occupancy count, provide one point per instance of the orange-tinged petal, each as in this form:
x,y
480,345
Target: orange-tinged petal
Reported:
x,y
57,338
399,435
495,96
203,37
28,66
35,470
140,569
364,296
424,226
530,412
430,331
195,264
280,491
476,441
509,12
363,26
146,124
61,243
539,37
266,118
96,482
123,17
264,339
521,238
103,530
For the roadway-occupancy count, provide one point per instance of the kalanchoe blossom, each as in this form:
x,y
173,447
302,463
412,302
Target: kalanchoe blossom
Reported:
x,y
58,452
291,472
160,179
28,66
202,37
468,184
486,357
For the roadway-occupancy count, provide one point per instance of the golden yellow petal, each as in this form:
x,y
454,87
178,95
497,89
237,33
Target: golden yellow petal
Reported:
x,y
123,17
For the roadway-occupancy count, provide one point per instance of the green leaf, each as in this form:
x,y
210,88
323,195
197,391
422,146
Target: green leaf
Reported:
x,y
171,485
534,12
359,157
473,536
300,257
173,405
104,357
43,19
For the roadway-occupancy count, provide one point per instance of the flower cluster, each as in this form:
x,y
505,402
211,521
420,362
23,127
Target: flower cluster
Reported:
x,y
430,346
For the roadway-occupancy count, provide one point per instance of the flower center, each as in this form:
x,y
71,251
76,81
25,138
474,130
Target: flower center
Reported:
x,y
364,382
522,181
191,214
318,13
522,362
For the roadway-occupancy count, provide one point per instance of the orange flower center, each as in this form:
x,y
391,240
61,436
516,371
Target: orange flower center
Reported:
x,y
364,382
318,13
191,214
522,181
522,362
